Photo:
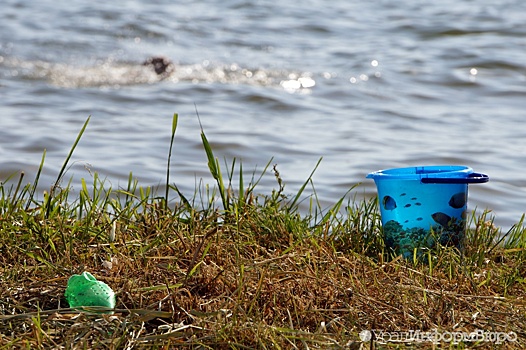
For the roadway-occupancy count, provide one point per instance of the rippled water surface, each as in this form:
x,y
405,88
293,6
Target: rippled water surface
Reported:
x,y
365,85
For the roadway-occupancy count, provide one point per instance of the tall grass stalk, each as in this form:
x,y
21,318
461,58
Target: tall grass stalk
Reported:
x,y
172,137
63,169
35,182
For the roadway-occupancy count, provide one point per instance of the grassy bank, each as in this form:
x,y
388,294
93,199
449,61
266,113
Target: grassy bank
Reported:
x,y
228,267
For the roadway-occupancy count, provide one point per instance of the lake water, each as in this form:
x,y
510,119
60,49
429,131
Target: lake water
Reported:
x,y
366,85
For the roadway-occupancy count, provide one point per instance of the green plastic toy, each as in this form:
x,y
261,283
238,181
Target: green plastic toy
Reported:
x,y
85,290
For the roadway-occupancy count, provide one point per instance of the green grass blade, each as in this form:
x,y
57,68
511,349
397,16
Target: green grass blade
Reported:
x,y
185,201
174,128
35,183
300,192
241,185
64,166
14,201
213,166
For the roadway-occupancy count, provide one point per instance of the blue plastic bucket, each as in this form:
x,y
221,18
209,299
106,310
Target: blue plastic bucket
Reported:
x,y
425,205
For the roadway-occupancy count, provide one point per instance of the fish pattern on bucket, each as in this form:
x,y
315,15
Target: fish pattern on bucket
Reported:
x,y
389,203
441,218
405,240
458,200
447,230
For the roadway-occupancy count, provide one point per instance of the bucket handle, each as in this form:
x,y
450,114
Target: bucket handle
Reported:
x,y
473,178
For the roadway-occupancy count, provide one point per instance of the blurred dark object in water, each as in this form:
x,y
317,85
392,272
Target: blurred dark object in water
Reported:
x,y
161,65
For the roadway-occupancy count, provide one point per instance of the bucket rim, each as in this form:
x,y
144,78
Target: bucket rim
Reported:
x,y
422,172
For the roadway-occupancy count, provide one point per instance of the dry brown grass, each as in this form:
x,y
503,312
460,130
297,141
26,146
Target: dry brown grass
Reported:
x,y
214,282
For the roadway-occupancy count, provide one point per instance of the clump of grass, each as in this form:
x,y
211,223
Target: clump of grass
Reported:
x,y
239,269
